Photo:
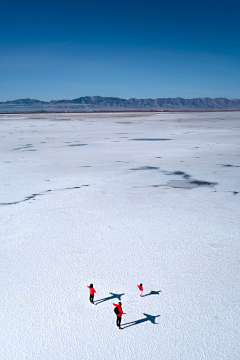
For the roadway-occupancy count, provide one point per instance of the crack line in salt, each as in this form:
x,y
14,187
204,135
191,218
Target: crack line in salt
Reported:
x,y
33,196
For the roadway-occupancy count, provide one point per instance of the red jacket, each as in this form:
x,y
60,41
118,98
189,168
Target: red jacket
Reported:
x,y
119,309
92,291
140,288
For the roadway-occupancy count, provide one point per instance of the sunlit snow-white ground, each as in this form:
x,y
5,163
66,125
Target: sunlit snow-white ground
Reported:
x,y
112,212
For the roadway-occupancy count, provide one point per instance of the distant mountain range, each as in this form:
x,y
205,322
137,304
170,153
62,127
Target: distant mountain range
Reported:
x,y
99,103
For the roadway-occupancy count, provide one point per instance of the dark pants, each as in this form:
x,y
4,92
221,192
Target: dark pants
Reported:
x,y
91,298
119,319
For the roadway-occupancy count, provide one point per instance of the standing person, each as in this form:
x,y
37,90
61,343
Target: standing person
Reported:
x,y
119,312
141,289
92,291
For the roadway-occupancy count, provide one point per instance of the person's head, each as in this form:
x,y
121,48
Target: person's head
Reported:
x,y
119,303
140,284
91,285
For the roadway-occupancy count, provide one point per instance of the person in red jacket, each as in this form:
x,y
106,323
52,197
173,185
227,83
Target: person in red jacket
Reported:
x,y
141,289
119,314
92,291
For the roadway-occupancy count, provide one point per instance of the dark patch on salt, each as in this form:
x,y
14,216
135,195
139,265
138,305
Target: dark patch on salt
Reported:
x,y
77,145
235,192
27,146
227,165
182,173
146,168
179,173
203,183
150,139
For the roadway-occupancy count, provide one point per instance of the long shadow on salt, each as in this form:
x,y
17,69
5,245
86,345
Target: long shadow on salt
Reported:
x,y
153,292
147,317
113,296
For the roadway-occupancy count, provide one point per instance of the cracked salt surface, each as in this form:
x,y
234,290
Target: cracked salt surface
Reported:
x,y
182,245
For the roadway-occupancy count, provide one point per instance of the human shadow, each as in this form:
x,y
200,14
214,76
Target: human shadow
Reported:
x,y
113,296
152,293
147,317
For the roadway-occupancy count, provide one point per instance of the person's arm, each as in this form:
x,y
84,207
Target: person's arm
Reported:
x,y
115,304
121,310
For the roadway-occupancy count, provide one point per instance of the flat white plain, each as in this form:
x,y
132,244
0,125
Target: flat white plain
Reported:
x,y
125,227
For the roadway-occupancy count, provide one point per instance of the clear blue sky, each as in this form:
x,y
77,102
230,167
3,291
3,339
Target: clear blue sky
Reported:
x,y
165,48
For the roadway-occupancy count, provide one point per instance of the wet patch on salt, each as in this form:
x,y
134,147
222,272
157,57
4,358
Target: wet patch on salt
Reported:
x,y
186,183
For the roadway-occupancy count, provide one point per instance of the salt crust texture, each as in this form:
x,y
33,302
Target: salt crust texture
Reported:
x,y
107,224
